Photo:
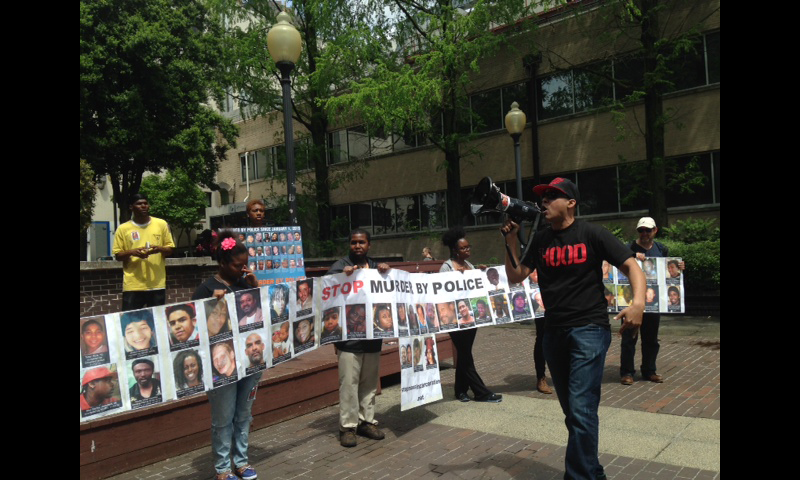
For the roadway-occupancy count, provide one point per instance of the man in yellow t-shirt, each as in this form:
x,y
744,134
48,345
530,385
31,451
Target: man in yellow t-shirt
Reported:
x,y
142,244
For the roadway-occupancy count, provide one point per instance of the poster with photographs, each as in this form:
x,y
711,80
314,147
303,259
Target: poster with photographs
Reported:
x,y
420,382
275,254
141,358
663,292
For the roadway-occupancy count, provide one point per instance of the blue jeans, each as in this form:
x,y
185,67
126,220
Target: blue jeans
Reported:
x,y
230,422
576,358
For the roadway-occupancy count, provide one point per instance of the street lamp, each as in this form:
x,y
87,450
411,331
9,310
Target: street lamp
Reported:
x,y
284,45
515,124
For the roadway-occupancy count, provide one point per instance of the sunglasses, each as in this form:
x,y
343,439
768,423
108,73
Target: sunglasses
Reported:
x,y
644,230
553,195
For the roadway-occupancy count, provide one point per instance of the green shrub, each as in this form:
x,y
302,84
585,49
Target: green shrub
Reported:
x,y
702,264
692,230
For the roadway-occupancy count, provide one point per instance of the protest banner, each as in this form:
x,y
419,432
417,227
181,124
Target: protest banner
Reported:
x,y
204,344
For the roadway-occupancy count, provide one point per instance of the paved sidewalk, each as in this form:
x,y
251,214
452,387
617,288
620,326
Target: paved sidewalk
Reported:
x,y
647,431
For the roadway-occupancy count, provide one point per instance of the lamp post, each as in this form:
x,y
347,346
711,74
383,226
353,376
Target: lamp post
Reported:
x,y
284,45
515,124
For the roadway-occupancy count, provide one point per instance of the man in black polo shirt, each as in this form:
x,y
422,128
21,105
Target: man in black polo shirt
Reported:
x,y
358,359
568,256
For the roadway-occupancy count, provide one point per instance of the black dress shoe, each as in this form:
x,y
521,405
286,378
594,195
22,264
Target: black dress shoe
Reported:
x,y
491,398
462,397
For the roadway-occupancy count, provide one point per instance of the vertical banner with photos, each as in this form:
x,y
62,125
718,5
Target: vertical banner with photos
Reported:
x,y
664,286
420,382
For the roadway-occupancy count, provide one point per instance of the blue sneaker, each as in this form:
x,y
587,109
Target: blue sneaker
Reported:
x,y
226,476
247,472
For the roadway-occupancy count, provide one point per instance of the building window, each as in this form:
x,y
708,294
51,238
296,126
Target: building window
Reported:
x,y
386,216
586,88
487,114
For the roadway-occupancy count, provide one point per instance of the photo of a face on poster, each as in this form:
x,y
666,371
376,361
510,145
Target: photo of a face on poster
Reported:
x,y
520,308
673,275
480,308
305,293
650,270
430,318
182,326
624,295
674,299
218,320
382,321
304,334
402,320
430,353
248,309
611,297
254,351
465,317
281,342
100,391
494,278
537,303
331,330
406,356
188,371
608,272
356,321
94,341
500,308
279,303
144,382
223,363
651,298
139,333
447,316
416,345
422,324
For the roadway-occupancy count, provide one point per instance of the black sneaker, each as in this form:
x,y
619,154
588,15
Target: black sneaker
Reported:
x,y
462,397
491,398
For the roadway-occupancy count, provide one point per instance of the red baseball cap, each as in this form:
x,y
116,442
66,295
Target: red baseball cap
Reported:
x,y
563,185
94,374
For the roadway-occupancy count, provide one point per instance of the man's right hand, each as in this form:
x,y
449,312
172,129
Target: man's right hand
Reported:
x,y
509,228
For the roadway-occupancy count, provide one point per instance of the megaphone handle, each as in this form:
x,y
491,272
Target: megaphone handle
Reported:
x,y
511,257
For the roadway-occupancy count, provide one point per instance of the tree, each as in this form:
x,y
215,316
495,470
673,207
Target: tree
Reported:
x,y
177,199
87,196
427,93
147,71
648,40
340,40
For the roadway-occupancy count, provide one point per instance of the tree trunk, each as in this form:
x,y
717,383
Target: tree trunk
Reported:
x,y
654,114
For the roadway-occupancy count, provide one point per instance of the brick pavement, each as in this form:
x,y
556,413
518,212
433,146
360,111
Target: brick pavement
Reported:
x,y
417,447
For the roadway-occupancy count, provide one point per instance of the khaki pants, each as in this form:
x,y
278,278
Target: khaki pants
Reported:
x,y
358,383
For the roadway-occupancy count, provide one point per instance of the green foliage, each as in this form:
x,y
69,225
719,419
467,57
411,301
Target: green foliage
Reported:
x,y
175,198
617,231
426,91
147,69
87,195
692,230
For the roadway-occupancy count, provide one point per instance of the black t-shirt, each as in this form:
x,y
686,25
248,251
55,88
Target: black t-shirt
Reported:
x,y
569,263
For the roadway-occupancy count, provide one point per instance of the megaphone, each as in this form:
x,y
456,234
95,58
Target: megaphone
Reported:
x,y
487,197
